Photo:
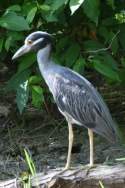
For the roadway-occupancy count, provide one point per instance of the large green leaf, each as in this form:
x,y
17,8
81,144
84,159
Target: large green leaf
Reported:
x,y
31,15
106,70
56,4
26,61
50,17
37,96
92,45
107,59
28,6
8,43
12,36
74,5
35,79
17,79
55,12
79,65
22,95
14,8
92,9
19,83
44,7
71,54
12,21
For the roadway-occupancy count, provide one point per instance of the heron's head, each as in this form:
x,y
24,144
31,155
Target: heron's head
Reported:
x,y
34,42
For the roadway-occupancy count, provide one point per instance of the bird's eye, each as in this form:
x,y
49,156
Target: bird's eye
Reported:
x,y
29,42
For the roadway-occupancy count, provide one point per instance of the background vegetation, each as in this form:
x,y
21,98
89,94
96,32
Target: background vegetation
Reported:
x,y
89,35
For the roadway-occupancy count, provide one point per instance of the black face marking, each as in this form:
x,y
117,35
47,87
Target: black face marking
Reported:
x,y
37,43
41,44
37,36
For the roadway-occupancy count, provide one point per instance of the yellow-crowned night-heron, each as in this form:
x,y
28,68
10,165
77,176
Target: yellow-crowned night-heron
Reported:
x,y
75,96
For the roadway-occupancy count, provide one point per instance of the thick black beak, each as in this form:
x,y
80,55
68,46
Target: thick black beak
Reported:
x,y
23,50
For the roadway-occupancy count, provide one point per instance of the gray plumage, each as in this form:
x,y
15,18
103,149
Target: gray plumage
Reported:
x,y
76,97
78,100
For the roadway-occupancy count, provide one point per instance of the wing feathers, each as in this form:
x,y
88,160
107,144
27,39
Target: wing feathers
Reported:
x,y
77,97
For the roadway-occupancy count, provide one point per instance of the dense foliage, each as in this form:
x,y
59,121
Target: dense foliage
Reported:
x,y
88,33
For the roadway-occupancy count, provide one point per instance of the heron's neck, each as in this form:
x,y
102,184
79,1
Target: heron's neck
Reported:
x,y
43,57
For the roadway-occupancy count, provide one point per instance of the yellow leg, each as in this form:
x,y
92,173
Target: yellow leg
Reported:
x,y
67,166
90,133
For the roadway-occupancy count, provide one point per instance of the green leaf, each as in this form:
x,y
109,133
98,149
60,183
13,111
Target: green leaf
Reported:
x,y
106,70
91,45
30,163
31,15
74,5
114,46
45,7
71,54
79,65
107,59
92,9
22,95
8,43
35,79
50,17
19,83
55,13
13,22
37,96
28,6
16,36
56,4
14,8
26,61
103,31
11,37
101,184
17,79
62,44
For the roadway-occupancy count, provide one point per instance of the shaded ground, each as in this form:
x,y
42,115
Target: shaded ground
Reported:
x,y
46,136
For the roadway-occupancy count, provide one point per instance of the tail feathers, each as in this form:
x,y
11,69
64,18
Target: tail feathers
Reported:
x,y
108,130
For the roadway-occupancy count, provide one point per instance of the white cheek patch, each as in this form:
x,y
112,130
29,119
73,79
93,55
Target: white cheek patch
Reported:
x,y
37,41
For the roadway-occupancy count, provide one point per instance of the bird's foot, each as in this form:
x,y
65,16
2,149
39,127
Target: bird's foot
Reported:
x,y
89,167
63,170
